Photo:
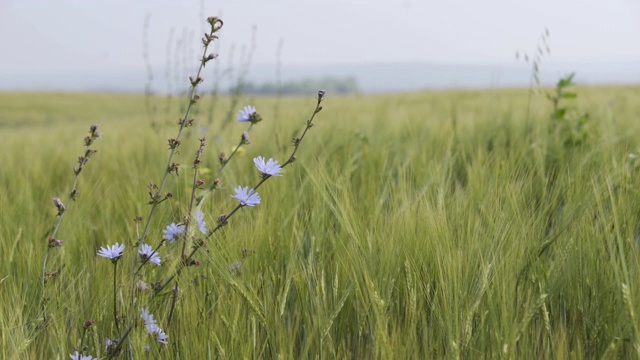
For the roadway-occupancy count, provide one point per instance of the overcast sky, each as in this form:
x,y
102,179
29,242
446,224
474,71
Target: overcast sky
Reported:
x,y
56,36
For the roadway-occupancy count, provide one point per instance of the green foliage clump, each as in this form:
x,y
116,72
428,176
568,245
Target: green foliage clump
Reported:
x,y
567,124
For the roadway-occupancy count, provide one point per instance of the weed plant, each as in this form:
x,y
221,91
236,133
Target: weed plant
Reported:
x,y
190,233
427,225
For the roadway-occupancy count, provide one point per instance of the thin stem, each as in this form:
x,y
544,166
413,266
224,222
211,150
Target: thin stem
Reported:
x,y
298,141
183,123
115,302
216,24
118,347
61,214
84,332
192,200
173,302
55,229
224,164
44,272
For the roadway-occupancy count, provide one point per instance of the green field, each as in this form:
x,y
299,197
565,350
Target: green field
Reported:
x,y
423,225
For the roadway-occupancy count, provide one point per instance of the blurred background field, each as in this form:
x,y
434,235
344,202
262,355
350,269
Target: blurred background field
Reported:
x,y
413,225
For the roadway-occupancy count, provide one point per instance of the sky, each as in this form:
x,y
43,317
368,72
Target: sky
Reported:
x,y
43,37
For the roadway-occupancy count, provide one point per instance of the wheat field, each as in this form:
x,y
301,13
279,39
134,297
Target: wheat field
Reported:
x,y
450,224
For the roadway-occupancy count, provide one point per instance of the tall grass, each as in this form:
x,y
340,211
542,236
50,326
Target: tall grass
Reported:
x,y
412,226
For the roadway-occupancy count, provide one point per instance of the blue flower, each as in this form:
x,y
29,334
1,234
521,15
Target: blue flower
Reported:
x,y
245,114
271,167
152,327
246,197
112,252
202,226
147,317
78,356
146,253
109,344
160,335
172,231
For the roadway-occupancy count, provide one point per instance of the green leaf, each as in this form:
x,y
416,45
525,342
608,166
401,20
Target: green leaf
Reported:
x,y
559,114
566,81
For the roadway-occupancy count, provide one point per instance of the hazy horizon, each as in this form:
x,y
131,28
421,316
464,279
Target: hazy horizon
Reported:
x,y
89,44
371,78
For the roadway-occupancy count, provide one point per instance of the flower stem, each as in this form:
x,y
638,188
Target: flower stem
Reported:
x,y
232,154
183,123
84,332
185,261
173,301
216,24
192,200
66,204
224,164
298,141
115,302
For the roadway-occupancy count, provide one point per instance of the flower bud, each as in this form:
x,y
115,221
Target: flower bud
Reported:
x,y
173,168
215,22
194,262
156,285
54,242
216,183
195,82
59,205
245,138
93,130
173,143
87,324
255,118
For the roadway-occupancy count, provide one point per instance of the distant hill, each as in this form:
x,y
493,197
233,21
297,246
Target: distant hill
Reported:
x,y
370,78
